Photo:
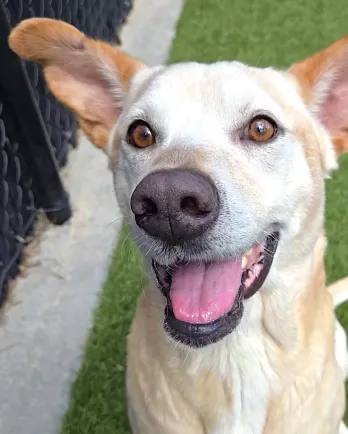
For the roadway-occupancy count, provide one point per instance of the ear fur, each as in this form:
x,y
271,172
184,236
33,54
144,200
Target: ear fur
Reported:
x,y
323,79
90,77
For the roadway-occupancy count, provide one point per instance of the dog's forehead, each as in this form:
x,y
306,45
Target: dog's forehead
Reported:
x,y
223,89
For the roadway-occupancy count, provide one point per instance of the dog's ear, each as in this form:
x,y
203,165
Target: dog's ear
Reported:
x,y
90,77
324,84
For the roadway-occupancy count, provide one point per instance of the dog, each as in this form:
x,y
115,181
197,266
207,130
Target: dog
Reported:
x,y
220,172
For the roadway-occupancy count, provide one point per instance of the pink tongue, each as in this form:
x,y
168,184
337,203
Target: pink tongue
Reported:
x,y
203,293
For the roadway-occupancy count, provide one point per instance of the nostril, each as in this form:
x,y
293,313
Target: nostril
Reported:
x,y
189,205
149,208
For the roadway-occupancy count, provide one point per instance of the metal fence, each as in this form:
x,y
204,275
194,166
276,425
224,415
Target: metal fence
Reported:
x,y
36,131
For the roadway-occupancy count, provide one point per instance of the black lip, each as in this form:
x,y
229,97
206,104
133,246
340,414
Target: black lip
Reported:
x,y
200,335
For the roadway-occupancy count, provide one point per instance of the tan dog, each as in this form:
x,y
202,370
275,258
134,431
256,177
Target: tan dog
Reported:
x,y
221,168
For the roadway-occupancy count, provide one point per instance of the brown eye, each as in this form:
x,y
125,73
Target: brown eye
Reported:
x,y
261,130
140,135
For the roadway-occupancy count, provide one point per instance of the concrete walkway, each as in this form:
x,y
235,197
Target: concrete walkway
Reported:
x,y
45,324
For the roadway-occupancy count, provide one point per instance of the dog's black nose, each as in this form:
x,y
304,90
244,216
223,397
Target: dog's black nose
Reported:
x,y
175,205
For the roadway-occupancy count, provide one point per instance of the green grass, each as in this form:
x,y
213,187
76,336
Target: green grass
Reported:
x,y
98,401
260,32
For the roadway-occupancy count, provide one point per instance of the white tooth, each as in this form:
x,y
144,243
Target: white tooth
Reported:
x,y
244,262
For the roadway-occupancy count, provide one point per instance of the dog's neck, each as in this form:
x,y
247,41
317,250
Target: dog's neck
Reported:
x,y
288,293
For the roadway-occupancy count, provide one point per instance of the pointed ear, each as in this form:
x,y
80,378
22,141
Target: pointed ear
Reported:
x,y
323,79
90,77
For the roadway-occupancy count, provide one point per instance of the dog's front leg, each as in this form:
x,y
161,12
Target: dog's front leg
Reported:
x,y
147,417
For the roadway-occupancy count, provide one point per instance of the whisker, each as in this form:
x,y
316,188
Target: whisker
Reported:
x,y
118,219
131,166
265,248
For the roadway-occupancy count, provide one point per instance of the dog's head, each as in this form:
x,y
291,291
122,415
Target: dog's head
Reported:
x,y
219,168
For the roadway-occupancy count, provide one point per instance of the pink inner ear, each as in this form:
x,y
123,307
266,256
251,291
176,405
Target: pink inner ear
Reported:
x,y
97,100
334,111
94,94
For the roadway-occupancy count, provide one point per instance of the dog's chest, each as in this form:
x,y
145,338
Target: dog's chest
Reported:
x,y
263,402
246,377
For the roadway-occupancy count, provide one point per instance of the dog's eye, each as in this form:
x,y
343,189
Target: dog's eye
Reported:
x,y
261,129
140,135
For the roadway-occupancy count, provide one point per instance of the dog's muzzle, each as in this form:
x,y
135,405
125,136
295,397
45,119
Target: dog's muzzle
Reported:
x,y
204,299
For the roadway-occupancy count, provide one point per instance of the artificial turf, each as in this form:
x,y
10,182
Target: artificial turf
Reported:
x,y
259,32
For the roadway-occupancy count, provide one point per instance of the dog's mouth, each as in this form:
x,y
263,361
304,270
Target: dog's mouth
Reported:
x,y
205,300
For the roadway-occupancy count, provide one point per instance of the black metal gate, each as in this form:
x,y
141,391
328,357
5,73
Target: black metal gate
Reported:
x,y
35,129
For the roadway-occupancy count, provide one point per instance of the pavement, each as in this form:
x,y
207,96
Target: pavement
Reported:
x,y
46,322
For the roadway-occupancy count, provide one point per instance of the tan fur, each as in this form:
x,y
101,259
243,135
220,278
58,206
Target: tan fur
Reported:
x,y
312,69
309,384
282,368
